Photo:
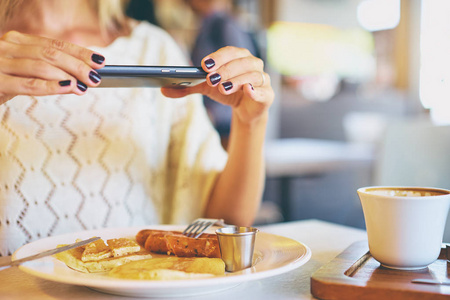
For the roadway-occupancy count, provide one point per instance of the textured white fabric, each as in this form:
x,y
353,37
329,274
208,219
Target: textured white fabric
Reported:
x,y
110,158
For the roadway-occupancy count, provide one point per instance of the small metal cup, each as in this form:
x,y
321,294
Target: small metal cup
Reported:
x,y
236,246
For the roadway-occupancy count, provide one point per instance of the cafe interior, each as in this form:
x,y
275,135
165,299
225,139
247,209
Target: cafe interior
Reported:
x,y
361,98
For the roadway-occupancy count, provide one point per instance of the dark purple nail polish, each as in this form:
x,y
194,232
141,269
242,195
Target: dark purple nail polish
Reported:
x,y
251,85
64,82
98,59
227,85
81,86
215,78
94,77
209,63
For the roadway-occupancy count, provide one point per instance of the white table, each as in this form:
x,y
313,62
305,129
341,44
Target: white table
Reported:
x,y
292,158
306,157
326,240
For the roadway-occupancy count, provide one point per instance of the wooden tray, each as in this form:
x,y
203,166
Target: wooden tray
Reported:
x,y
355,274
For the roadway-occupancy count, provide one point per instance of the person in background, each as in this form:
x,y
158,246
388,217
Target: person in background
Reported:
x,y
142,10
75,157
218,29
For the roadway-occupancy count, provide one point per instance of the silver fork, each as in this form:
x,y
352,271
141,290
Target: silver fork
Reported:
x,y
199,226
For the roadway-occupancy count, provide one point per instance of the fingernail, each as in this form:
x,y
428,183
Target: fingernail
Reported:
x,y
81,86
99,59
251,85
64,82
94,77
227,85
215,78
209,63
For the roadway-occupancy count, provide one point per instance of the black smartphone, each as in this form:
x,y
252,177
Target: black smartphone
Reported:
x,y
150,76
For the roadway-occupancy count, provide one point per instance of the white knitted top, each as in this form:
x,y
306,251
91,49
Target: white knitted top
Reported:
x,y
111,158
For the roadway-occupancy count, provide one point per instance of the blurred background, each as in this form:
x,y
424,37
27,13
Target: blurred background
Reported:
x,y
362,93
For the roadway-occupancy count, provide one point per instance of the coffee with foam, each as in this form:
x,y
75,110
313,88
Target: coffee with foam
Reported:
x,y
405,192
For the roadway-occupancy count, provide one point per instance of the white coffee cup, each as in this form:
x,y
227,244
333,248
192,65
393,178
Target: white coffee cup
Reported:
x,y
405,225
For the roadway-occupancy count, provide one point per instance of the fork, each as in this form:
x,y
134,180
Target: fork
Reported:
x,y
199,226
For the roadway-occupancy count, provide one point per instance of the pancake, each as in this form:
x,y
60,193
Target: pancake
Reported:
x,y
170,268
98,257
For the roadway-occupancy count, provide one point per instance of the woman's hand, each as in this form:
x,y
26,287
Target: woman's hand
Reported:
x,y
37,66
236,78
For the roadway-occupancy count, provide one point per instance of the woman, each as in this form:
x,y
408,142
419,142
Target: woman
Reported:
x,y
117,157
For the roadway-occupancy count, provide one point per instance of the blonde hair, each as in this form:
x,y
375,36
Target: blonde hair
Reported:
x,y
7,10
111,14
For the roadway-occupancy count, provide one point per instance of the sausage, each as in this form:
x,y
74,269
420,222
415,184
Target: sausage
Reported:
x,y
207,245
156,242
141,236
175,243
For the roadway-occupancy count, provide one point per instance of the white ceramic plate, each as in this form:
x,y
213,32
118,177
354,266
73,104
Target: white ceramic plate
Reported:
x,y
273,255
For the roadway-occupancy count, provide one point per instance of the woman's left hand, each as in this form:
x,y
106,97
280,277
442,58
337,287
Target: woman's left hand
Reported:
x,y
235,78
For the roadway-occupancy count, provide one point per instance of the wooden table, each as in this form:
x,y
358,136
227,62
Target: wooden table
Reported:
x,y
326,240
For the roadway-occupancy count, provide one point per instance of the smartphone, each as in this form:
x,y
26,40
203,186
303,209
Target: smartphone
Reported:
x,y
150,76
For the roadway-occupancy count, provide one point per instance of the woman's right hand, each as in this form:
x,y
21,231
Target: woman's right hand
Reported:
x,y
37,66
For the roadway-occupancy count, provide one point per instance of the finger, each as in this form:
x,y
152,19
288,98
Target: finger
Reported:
x,y
254,78
71,65
29,69
257,95
185,91
32,68
174,93
236,68
222,56
92,58
37,87
71,58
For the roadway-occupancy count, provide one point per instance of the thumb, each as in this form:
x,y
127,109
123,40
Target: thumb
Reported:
x,y
179,92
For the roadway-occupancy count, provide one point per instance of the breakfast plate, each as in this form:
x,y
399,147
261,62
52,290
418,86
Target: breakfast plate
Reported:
x,y
273,255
